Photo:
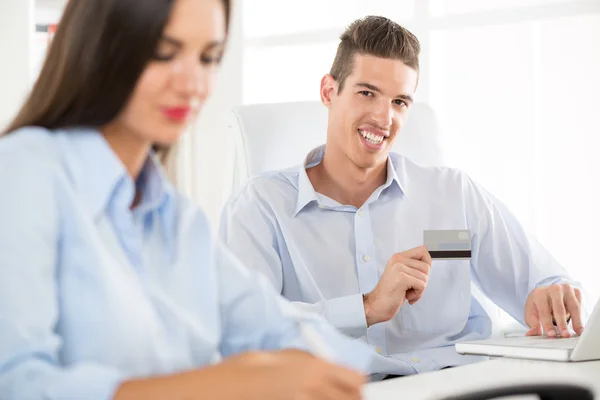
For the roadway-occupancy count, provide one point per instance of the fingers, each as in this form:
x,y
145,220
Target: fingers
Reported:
x,y
346,377
544,308
412,297
577,294
328,391
414,258
407,272
416,285
418,253
417,264
532,318
345,383
410,275
535,331
426,258
417,269
415,273
572,298
559,312
553,306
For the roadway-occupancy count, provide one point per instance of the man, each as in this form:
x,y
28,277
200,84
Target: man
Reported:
x,y
342,234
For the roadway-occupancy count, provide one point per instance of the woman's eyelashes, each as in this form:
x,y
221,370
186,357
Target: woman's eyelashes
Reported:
x,y
204,59
211,59
158,56
170,48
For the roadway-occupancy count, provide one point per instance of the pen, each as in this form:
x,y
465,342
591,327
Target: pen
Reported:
x,y
315,342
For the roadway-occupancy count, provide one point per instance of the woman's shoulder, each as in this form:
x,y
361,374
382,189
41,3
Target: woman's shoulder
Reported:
x,y
30,176
31,145
30,157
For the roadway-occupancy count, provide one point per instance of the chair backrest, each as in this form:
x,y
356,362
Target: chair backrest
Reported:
x,y
277,136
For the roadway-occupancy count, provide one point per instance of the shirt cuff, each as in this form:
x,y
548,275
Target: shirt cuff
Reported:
x,y
348,315
557,280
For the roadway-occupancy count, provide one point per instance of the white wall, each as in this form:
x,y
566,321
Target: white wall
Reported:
x,y
204,168
48,11
23,48
16,46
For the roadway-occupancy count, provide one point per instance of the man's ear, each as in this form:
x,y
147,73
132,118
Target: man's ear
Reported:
x,y
328,89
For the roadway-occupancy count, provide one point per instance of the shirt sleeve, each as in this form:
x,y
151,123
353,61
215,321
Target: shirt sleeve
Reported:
x,y
507,262
29,235
256,317
248,231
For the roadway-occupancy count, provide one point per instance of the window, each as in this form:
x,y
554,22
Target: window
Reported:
x,y
271,17
449,7
514,83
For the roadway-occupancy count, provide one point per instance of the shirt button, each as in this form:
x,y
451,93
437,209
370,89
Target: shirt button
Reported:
x,y
360,213
414,359
321,206
367,258
379,350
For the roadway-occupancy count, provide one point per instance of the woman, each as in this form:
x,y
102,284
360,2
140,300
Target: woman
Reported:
x,y
110,285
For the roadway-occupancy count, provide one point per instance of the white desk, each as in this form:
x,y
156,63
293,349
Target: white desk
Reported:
x,y
485,375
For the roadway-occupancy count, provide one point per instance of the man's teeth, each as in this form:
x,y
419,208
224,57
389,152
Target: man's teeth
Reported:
x,y
371,137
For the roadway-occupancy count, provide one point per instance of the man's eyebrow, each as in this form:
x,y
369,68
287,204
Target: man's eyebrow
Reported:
x,y
405,97
368,86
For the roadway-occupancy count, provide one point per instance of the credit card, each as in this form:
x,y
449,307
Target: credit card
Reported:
x,y
448,244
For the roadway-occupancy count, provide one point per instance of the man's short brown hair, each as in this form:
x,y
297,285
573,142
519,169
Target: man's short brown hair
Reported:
x,y
375,36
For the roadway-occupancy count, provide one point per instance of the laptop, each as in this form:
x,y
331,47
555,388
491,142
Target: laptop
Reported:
x,y
579,348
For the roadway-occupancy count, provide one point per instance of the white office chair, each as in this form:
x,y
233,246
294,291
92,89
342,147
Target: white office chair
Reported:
x,y
278,136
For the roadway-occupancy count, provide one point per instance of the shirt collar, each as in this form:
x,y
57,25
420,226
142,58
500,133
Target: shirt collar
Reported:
x,y
306,191
393,165
156,188
102,178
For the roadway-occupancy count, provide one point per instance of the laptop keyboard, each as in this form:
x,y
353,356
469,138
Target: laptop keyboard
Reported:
x,y
542,342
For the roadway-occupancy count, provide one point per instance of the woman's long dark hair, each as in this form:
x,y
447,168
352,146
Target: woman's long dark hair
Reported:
x,y
96,57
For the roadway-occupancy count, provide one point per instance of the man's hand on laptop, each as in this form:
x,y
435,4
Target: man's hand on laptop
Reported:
x,y
553,305
404,278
